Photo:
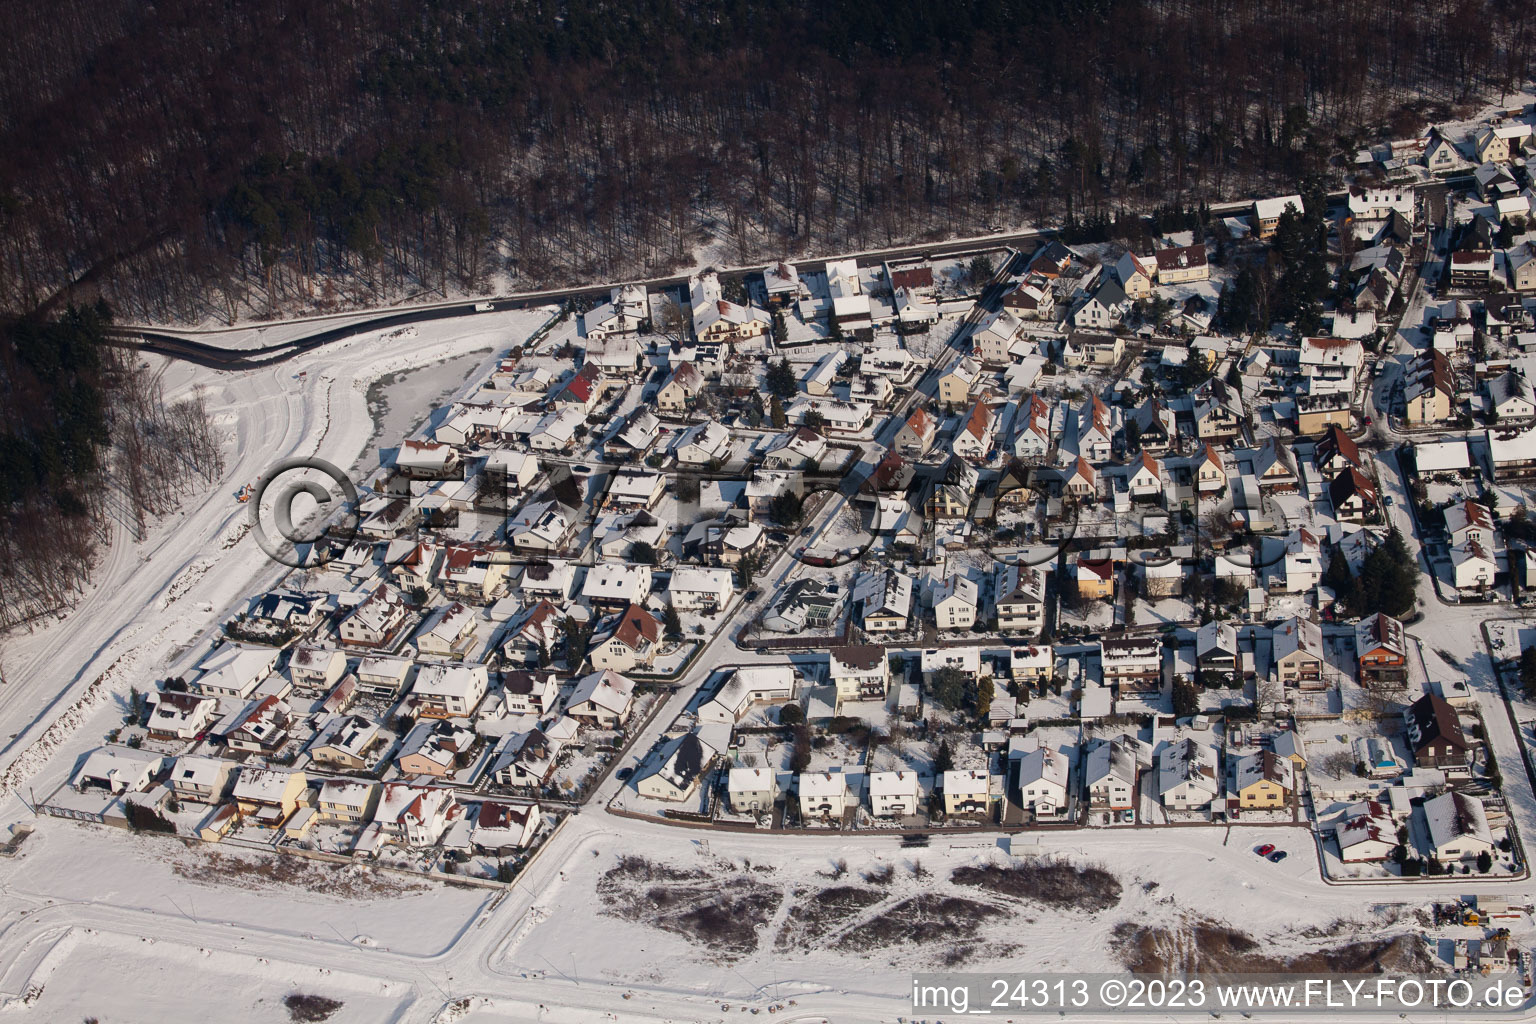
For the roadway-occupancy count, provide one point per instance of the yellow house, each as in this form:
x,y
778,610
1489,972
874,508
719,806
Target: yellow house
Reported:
x,y
1095,578
268,796
1265,781
956,385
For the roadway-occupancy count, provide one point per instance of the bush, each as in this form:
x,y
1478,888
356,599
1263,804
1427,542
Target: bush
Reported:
x,y
305,1008
1485,862
791,714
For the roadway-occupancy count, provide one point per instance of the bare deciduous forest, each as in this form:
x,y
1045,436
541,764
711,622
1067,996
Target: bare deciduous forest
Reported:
x,y
185,160
87,442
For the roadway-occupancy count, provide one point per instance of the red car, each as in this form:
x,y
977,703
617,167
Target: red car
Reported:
x,y
1265,850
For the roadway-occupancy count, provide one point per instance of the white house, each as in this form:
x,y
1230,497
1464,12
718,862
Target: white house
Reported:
x,y
415,815
684,762
235,671
1110,773
894,793
1365,832
859,671
824,795
751,790
694,589
954,603
602,698
1188,776
1458,827
450,691
746,686
1043,778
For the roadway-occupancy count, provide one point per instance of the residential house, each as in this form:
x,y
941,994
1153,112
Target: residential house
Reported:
x,y
954,601
916,434
449,691
201,780
234,671
751,790
678,391
1381,651
1094,577
702,444
1473,568
1365,832
415,815
348,742
824,795
1471,268
1095,430
684,763
1146,478
525,760
745,687
1210,473
377,620
449,632
1033,299
602,699
1217,653
966,660
884,600
528,693
1019,598
502,825
1298,654
974,438
1218,411
1043,778
967,792
1264,780
807,604
261,728
1188,777
1133,663
1134,275
781,282
626,640
384,676
850,312
706,591
542,527
267,797
1458,827
1435,736
1469,521
995,336
894,794
176,715
1032,421
1512,398
315,669
956,385
1111,774
1182,264
1082,482
859,671
1353,497
1154,426
1499,141
614,585
1267,212
954,491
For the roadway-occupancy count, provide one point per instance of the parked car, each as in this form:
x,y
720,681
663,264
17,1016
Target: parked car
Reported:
x,y
1265,850
623,774
1277,856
